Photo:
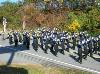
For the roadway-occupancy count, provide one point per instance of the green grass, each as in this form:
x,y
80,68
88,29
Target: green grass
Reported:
x,y
37,69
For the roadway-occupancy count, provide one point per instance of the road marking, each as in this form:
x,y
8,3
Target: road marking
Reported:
x,y
75,66
82,68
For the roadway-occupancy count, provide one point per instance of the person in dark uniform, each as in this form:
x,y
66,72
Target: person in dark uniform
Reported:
x,y
97,39
24,38
84,43
28,41
10,39
20,37
55,46
62,40
45,40
90,46
15,39
52,42
95,45
35,42
79,52
80,36
67,44
99,42
73,41
41,41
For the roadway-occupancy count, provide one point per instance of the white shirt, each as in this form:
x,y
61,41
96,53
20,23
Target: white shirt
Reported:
x,y
83,41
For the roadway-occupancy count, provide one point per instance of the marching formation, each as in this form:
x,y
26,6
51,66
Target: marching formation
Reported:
x,y
56,41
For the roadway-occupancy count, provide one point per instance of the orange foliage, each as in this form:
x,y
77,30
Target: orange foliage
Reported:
x,y
49,19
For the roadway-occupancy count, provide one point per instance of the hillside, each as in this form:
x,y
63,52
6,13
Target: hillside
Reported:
x,y
72,17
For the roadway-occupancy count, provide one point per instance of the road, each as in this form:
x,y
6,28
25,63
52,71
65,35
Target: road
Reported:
x,y
9,54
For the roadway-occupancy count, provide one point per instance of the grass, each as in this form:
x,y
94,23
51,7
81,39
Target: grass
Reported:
x,y
37,69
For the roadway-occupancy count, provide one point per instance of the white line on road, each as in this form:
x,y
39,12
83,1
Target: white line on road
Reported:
x,y
82,68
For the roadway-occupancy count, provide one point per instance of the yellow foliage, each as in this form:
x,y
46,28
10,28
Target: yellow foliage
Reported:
x,y
61,1
46,0
74,26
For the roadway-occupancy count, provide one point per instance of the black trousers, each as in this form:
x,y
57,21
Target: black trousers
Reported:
x,y
91,52
85,53
56,48
27,45
80,58
16,43
46,47
10,41
80,55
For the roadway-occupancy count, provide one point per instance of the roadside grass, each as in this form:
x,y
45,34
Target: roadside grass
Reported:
x,y
37,69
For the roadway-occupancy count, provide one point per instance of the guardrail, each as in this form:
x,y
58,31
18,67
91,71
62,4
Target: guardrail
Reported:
x,y
43,61
47,62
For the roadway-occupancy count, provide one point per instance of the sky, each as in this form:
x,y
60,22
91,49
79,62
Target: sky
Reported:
x,y
8,0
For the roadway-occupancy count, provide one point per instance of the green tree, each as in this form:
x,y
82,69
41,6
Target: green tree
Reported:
x,y
8,10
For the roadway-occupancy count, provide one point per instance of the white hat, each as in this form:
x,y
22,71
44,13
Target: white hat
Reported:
x,y
87,40
99,36
79,42
97,39
92,38
83,42
44,37
87,34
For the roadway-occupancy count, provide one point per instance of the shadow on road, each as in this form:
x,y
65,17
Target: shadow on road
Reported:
x,y
73,57
12,70
97,59
11,49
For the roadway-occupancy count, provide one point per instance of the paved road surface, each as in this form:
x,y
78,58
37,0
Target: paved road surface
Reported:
x,y
10,54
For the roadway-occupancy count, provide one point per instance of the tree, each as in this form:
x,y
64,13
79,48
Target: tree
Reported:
x,y
29,1
8,10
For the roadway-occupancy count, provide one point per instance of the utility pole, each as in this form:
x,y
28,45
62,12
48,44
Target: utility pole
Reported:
x,y
24,22
4,26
